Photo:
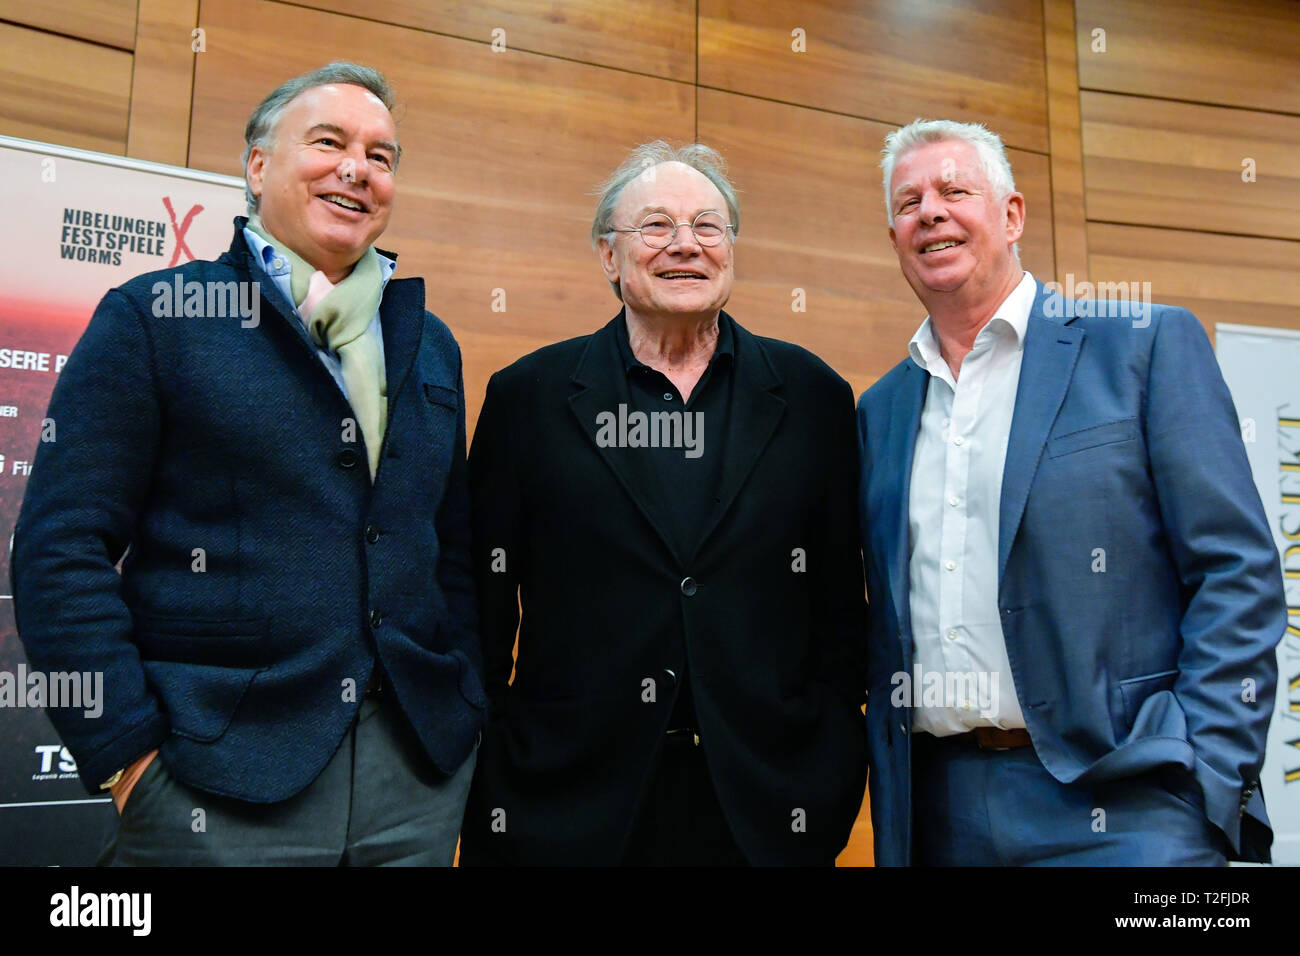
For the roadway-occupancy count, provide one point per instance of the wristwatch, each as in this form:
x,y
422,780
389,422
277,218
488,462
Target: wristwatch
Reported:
x,y
113,780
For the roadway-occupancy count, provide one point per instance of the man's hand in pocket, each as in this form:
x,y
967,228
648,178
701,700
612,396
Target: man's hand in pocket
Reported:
x,y
122,789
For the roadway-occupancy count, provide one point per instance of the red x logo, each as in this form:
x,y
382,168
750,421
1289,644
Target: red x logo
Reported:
x,y
181,229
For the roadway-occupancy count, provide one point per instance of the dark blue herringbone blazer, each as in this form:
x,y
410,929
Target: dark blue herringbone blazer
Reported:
x,y
264,571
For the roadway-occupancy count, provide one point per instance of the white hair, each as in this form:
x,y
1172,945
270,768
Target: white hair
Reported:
x,y
988,146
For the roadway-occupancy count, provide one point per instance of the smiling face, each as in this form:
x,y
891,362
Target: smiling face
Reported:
x,y
953,235
325,186
684,280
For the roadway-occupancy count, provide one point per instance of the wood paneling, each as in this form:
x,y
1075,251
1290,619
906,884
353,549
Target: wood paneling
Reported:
x,y
501,154
1070,232
1231,52
162,82
61,90
813,218
1161,163
110,22
887,61
1151,158
504,149
649,36
1220,278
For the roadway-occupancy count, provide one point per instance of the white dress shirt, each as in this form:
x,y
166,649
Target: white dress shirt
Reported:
x,y
961,678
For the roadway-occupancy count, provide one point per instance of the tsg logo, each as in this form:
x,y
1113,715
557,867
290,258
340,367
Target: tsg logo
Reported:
x,y
47,752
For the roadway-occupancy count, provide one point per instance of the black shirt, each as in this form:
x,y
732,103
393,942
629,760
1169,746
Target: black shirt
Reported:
x,y
681,475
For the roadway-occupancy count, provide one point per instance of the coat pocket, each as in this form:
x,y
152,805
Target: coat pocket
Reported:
x,y
1134,691
1109,433
441,395
201,669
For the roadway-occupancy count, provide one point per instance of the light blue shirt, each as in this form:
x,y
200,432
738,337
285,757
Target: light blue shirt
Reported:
x,y
277,267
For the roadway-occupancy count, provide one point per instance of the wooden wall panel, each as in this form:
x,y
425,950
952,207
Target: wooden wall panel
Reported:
x,y
501,154
503,149
813,218
162,81
60,90
887,61
1064,125
108,22
650,36
1163,163
1220,278
1230,52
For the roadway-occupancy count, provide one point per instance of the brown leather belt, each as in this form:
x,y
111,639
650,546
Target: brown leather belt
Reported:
x,y
993,738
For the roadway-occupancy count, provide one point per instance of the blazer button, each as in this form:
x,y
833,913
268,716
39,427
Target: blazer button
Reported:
x,y
376,618
689,587
372,533
670,678
348,458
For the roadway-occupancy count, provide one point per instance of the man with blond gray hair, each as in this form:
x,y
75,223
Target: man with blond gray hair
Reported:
x,y
290,653
664,510
1075,597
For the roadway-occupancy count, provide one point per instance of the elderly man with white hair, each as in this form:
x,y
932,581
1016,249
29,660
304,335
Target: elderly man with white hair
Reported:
x,y
669,504
1075,597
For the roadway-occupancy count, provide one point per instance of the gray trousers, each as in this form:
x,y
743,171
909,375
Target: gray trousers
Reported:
x,y
378,802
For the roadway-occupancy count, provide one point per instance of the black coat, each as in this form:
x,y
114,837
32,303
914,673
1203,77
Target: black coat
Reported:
x,y
772,620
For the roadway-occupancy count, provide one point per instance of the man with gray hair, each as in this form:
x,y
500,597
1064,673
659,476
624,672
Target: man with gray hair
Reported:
x,y
290,654
1075,596
668,504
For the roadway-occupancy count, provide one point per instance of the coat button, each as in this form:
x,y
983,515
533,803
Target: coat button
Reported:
x,y
372,533
376,618
670,678
689,587
348,458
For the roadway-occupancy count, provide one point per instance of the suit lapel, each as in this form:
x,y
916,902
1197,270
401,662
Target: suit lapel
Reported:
x,y
754,412
401,318
900,446
1051,352
271,294
601,390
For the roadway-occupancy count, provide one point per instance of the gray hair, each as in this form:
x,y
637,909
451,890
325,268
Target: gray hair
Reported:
x,y
703,159
699,157
988,145
261,127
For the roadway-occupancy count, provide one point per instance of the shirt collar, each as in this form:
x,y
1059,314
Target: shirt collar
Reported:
x,y
725,346
1011,316
276,265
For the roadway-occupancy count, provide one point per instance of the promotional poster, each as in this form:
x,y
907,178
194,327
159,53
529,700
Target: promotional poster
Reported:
x,y
89,222
1259,366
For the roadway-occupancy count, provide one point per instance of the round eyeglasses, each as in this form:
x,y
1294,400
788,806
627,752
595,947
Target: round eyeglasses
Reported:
x,y
658,230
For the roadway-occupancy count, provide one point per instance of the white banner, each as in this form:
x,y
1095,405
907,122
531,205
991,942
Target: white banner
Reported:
x,y
1262,369
80,224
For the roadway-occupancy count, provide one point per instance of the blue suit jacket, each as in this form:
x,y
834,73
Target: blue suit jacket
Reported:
x,y
1123,437
264,571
